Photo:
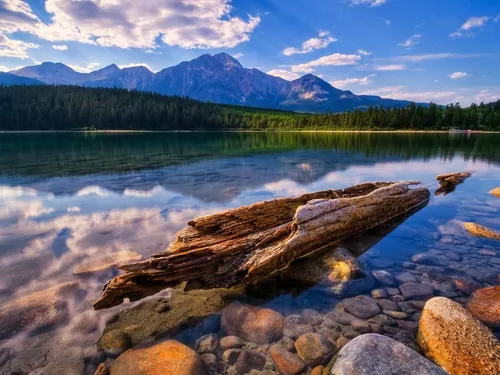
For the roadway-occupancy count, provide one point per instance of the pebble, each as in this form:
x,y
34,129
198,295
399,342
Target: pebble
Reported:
x,y
384,278
288,343
207,343
362,326
416,290
318,370
342,317
230,356
249,360
295,326
313,349
114,343
379,293
409,265
487,252
396,314
209,363
342,341
393,291
361,306
312,317
383,320
231,342
386,304
287,363
407,277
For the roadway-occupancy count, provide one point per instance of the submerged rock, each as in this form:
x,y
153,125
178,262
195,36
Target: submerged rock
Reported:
x,y
295,326
484,304
361,306
456,341
286,362
68,362
114,343
207,343
249,360
314,349
167,357
495,192
416,290
374,354
231,342
480,231
429,259
252,323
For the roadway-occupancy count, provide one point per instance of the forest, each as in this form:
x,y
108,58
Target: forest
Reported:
x,y
47,107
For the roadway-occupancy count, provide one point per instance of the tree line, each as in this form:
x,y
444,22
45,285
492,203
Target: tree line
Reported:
x,y
48,107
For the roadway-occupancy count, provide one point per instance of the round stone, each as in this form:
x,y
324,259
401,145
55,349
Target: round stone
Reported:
x,y
416,290
207,343
286,362
379,293
384,277
114,343
361,306
313,349
231,342
295,326
484,304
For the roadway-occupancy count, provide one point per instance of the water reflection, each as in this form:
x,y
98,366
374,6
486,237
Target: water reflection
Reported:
x,y
66,199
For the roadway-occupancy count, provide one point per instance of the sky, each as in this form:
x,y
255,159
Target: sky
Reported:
x,y
444,51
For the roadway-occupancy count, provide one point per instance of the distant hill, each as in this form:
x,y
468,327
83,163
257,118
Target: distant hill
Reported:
x,y
219,79
8,79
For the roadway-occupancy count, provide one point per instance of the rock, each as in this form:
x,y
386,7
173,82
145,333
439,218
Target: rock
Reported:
x,y
386,304
230,356
416,290
288,343
114,343
490,253
254,324
407,277
381,263
313,349
495,192
231,342
37,310
249,360
408,265
68,362
105,262
384,278
318,370
361,306
286,362
407,338
295,326
350,333
342,317
342,341
209,363
484,304
393,291
480,231
207,343
352,287
466,286
396,314
456,341
383,320
374,354
312,317
362,326
376,328
428,259
379,293
167,357
102,370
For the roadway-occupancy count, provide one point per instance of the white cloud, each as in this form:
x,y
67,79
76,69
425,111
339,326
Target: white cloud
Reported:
x,y
413,40
458,75
237,55
390,68
61,47
129,23
336,59
471,23
430,56
285,74
396,92
323,40
372,3
364,53
487,96
345,82
3,68
14,48
388,22
133,65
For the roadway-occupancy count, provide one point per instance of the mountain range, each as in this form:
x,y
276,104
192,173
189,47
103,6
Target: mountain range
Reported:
x,y
219,78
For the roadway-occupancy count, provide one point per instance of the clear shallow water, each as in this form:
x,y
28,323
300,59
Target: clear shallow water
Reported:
x,y
68,198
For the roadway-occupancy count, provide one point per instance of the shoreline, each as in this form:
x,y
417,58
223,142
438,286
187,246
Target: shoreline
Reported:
x,y
250,131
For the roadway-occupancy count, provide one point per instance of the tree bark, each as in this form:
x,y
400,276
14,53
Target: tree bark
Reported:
x,y
252,242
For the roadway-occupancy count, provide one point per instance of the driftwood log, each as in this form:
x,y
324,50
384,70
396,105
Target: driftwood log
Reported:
x,y
450,181
249,243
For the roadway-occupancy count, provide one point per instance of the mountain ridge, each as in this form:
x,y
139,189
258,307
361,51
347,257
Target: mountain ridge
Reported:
x,y
216,78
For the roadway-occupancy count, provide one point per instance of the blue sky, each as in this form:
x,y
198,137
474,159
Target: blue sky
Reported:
x,y
423,50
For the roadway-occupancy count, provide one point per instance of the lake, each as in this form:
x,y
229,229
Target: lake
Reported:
x,y
68,198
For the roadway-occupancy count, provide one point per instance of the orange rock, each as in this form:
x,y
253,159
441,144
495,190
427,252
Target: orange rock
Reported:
x,y
456,341
165,358
496,192
317,370
484,304
252,323
480,231
286,362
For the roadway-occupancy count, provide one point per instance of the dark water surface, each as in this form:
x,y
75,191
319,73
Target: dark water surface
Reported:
x,y
68,198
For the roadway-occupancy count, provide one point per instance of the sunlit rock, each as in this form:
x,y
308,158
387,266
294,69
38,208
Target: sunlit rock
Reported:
x,y
484,304
480,231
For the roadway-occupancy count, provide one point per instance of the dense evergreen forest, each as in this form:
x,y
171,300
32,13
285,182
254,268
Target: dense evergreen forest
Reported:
x,y
47,107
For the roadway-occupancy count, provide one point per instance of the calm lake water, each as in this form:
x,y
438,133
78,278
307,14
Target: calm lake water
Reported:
x,y
68,198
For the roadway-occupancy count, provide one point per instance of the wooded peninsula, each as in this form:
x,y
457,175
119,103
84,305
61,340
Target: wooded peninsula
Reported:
x,y
46,107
